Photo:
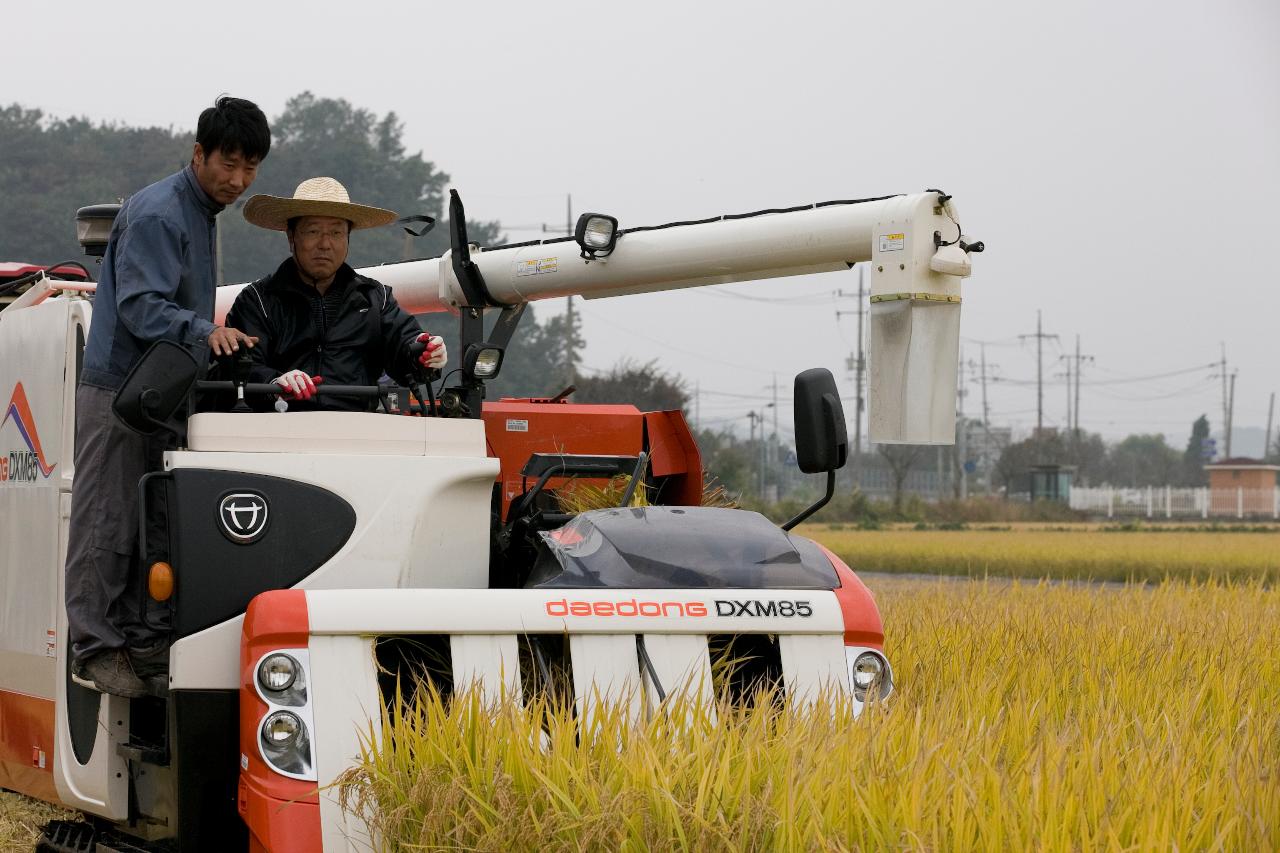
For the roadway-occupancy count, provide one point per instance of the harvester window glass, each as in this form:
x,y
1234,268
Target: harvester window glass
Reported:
x,y
660,547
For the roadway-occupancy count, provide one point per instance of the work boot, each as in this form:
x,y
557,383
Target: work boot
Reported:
x,y
152,666
109,672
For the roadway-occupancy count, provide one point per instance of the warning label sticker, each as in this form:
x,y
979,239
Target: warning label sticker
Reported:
x,y
538,266
892,242
514,425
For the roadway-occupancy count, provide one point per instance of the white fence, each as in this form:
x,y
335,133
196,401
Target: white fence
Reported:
x,y
1168,502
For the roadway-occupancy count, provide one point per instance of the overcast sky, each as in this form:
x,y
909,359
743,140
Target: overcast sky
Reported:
x,y
1121,160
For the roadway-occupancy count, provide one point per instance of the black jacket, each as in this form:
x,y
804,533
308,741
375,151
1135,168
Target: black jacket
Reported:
x,y
369,335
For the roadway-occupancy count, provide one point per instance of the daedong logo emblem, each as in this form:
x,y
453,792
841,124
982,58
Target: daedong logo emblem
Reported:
x,y
244,517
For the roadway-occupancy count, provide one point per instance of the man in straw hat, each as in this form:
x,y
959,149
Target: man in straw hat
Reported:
x,y
315,317
157,284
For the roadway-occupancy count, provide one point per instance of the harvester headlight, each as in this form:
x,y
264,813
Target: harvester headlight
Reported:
x,y
281,730
867,670
869,673
277,672
597,234
483,361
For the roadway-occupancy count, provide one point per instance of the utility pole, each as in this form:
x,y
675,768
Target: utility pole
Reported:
x,y
775,406
858,364
1075,425
758,417
1067,359
986,421
1073,406
1231,412
571,347
986,413
773,441
697,404
762,456
861,365
962,432
1266,439
1226,413
1040,338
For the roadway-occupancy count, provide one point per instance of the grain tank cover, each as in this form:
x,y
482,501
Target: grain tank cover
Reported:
x,y
661,547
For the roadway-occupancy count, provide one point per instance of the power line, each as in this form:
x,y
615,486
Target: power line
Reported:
x,y
670,346
1181,392
815,298
1122,381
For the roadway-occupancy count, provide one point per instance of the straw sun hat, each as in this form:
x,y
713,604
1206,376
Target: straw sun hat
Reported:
x,y
314,197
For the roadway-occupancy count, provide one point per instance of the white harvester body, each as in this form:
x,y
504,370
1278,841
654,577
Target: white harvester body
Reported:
x,y
358,527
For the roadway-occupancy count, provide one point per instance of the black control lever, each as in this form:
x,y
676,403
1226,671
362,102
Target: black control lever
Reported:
x,y
421,379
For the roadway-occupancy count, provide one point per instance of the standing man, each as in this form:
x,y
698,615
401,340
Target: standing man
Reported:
x,y
157,283
317,317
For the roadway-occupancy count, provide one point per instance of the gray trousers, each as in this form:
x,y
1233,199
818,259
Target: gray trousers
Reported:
x,y
104,578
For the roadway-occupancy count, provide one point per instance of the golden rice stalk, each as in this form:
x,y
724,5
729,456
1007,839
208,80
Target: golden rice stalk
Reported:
x,y
582,496
1027,716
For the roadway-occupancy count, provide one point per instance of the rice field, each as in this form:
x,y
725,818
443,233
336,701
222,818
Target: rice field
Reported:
x,y
1080,552
1027,716
1133,716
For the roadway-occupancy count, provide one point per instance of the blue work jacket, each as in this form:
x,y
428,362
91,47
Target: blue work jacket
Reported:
x,y
158,280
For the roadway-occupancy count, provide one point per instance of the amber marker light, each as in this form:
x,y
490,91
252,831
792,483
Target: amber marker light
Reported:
x,y
160,581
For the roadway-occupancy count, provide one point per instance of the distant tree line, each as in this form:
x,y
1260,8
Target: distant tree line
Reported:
x,y
52,166
1133,462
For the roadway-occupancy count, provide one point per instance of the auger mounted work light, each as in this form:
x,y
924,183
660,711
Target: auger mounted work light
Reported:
x,y
596,234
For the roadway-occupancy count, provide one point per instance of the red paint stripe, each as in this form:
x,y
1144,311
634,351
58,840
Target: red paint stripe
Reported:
x,y
862,625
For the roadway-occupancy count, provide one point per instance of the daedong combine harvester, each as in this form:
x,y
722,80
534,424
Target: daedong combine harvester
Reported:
x,y
311,551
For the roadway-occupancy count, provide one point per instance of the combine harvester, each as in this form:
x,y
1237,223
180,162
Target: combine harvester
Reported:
x,y
310,557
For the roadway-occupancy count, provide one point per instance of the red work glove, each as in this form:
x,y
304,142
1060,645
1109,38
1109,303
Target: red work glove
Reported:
x,y
298,385
434,356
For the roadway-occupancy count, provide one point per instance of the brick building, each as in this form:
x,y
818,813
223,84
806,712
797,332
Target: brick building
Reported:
x,y
1250,483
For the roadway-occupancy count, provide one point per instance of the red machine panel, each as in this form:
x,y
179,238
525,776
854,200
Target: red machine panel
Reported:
x,y
518,428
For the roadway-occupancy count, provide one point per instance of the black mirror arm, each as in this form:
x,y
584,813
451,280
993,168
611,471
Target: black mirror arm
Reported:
x,y
148,400
831,490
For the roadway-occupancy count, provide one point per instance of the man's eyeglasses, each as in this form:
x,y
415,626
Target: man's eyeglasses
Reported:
x,y
311,235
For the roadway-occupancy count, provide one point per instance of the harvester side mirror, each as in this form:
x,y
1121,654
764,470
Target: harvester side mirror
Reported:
x,y
155,388
822,442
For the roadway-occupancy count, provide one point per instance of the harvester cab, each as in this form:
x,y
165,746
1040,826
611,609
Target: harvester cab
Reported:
x,y
309,564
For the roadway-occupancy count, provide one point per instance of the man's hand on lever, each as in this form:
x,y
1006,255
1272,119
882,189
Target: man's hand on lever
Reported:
x,y
298,385
434,355
226,341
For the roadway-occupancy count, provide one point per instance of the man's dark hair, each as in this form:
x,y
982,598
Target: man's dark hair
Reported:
x,y
234,126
